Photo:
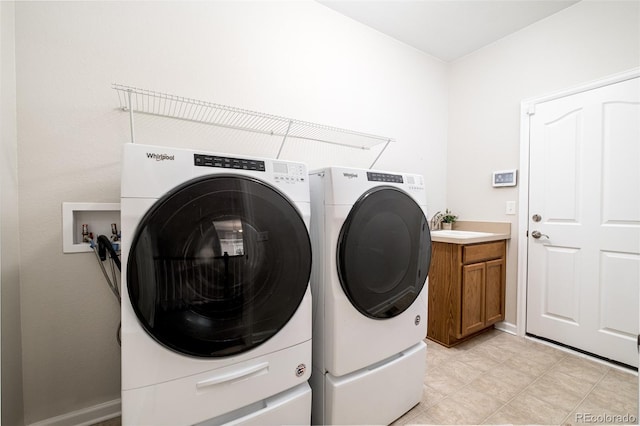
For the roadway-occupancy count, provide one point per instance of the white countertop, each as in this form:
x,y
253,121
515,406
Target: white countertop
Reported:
x,y
473,232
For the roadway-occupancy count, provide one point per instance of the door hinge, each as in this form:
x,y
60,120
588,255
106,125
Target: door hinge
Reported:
x,y
527,235
638,342
531,110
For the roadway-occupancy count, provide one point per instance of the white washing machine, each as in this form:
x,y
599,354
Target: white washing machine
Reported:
x,y
216,304
372,250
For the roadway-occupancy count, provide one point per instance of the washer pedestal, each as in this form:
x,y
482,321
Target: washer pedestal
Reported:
x,y
378,394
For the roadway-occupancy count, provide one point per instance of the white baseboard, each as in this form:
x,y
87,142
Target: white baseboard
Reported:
x,y
507,327
86,416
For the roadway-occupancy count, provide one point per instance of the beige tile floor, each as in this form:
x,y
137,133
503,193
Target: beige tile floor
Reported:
x,y
498,378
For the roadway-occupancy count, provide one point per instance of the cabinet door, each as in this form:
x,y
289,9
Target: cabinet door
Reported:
x,y
472,299
494,291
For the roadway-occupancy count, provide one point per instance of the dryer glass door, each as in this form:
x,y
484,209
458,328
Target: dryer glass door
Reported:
x,y
218,266
384,252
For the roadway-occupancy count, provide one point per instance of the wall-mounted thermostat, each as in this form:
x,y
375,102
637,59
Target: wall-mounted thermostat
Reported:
x,y
504,178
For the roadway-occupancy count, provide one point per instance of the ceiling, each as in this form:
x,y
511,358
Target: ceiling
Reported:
x,y
447,29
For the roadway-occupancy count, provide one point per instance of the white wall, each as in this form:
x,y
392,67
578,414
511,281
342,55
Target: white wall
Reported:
x,y
297,59
584,42
9,248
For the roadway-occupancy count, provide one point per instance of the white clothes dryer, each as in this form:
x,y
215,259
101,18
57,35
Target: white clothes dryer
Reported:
x,y
372,250
216,305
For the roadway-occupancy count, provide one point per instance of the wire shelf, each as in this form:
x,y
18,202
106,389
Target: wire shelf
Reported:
x,y
144,101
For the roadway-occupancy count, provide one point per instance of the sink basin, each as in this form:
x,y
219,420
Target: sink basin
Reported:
x,y
461,234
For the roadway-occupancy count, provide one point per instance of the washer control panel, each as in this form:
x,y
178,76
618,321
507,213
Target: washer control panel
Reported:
x,y
384,177
228,162
289,173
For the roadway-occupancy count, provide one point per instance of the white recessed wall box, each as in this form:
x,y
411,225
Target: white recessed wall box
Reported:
x,y
504,178
97,216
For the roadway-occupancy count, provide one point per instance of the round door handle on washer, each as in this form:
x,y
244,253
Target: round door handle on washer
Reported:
x,y
538,234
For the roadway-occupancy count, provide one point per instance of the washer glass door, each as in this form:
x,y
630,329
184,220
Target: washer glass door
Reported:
x,y
218,266
384,252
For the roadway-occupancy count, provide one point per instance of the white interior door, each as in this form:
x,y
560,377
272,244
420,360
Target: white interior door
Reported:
x,y
584,221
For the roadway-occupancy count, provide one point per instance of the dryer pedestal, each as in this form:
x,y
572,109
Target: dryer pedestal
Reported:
x,y
378,394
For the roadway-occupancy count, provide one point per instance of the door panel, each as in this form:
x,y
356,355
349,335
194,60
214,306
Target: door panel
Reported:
x,y
620,172
561,288
619,279
473,296
493,291
584,177
562,141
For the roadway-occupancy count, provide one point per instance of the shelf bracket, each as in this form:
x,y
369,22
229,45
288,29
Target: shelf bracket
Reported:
x,y
284,138
133,139
380,154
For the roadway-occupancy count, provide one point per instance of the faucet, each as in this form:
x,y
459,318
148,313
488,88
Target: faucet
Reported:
x,y
435,221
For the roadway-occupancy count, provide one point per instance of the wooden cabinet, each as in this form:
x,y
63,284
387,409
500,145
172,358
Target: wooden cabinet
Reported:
x,y
466,290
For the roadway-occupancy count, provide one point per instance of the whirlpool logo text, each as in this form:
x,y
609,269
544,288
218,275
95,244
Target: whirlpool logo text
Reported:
x,y
160,157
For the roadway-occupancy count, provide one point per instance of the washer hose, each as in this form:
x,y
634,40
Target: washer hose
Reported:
x,y
105,245
100,250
